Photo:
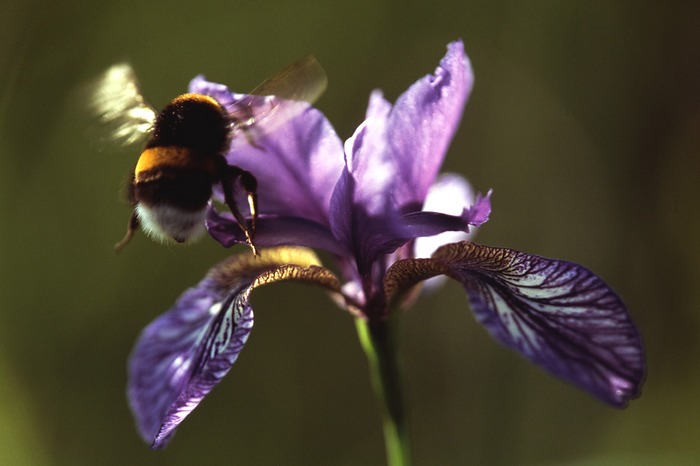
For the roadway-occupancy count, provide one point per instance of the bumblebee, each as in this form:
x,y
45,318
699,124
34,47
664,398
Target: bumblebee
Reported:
x,y
186,143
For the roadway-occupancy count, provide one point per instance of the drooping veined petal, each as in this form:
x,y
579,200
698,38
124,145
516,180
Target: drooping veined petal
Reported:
x,y
423,122
184,353
557,314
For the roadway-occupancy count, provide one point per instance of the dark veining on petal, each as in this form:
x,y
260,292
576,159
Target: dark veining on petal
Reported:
x,y
558,314
182,355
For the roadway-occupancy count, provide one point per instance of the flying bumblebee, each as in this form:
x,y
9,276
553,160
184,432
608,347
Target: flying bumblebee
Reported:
x,y
186,144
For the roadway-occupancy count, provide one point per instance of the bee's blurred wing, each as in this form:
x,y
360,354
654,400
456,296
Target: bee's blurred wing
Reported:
x,y
302,80
117,101
279,98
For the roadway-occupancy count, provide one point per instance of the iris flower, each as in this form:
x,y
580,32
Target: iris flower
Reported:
x,y
379,209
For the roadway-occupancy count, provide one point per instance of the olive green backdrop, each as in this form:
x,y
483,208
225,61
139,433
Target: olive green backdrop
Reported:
x,y
585,120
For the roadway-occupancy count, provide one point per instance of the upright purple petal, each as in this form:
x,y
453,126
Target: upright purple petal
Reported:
x,y
342,209
557,314
364,235
296,166
423,121
392,160
181,356
295,154
370,162
362,213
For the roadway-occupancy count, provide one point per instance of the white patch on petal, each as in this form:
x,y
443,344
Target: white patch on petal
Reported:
x,y
179,367
168,223
450,195
215,308
354,291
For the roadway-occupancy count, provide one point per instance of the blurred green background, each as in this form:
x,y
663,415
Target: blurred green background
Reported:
x,y
585,120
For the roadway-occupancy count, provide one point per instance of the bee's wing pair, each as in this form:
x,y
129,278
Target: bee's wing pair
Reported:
x,y
119,104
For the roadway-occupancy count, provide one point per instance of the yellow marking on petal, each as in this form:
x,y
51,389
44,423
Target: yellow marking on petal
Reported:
x,y
290,255
274,265
245,273
247,266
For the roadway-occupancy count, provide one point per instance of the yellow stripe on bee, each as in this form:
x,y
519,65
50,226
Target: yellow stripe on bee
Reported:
x,y
172,156
197,98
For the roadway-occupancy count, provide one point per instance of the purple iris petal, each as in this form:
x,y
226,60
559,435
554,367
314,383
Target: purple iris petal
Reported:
x,y
393,159
370,161
559,315
366,236
423,122
362,214
297,168
183,354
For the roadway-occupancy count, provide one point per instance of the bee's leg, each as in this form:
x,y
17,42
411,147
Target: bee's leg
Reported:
x,y
250,184
130,229
230,175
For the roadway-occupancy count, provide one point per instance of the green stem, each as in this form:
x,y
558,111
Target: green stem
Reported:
x,y
378,339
